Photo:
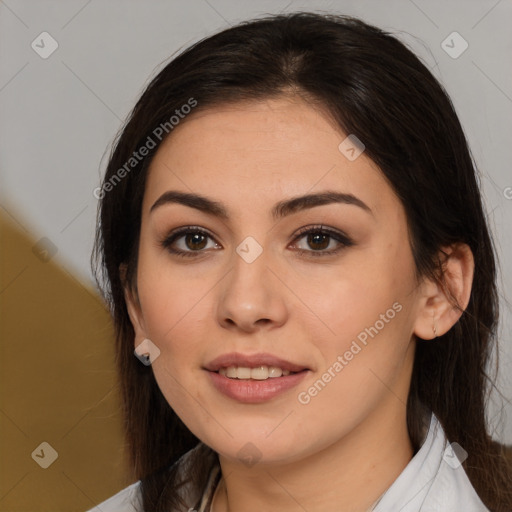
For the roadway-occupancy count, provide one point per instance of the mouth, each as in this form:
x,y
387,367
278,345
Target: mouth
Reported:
x,y
261,372
254,378
255,366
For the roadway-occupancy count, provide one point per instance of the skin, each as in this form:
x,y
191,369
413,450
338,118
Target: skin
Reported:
x,y
350,442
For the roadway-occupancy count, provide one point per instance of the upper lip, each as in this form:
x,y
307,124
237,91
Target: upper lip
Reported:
x,y
252,361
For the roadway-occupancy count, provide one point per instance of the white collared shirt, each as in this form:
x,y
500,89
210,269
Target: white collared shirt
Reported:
x,y
433,481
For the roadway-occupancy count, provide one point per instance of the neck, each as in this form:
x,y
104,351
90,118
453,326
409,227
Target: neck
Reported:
x,y
349,475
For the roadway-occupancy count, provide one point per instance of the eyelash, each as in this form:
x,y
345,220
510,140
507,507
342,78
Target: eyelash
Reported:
x,y
340,237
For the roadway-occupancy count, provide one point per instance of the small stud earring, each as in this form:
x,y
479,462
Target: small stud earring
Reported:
x,y
434,327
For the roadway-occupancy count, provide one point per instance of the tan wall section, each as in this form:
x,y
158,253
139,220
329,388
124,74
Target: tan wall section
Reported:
x,y
57,385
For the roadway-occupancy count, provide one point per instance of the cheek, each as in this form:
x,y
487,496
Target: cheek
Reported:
x,y
175,321
171,296
362,355
357,291
365,314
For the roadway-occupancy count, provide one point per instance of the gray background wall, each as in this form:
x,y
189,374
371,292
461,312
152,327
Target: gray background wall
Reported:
x,y
58,114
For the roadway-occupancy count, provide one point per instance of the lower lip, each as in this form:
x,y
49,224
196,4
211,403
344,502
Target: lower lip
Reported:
x,y
255,391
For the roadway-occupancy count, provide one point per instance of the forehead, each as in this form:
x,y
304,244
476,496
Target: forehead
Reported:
x,y
266,149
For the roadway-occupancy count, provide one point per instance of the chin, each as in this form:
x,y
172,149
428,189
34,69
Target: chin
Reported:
x,y
253,444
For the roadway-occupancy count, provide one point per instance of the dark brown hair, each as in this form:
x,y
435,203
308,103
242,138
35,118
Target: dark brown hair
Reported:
x,y
373,87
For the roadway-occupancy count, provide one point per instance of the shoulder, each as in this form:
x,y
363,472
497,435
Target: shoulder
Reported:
x,y
129,499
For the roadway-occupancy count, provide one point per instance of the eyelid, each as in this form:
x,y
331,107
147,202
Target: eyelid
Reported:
x,y
177,233
324,229
339,236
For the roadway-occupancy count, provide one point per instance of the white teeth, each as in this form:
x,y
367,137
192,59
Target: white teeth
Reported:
x,y
258,373
231,372
274,371
243,373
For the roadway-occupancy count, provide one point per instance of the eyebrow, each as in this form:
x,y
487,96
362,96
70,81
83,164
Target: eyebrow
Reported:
x,y
280,209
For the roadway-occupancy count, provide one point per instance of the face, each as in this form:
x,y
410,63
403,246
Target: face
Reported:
x,y
322,289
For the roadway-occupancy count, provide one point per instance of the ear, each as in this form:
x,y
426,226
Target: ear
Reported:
x,y
132,305
442,304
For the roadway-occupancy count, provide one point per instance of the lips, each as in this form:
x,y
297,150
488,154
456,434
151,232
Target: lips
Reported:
x,y
245,387
237,359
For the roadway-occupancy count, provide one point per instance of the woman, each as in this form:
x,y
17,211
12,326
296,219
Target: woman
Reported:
x,y
292,241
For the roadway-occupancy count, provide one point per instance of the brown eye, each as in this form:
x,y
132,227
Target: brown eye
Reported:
x,y
189,241
195,241
318,239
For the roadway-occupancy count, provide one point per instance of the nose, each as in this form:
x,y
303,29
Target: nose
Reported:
x,y
252,297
